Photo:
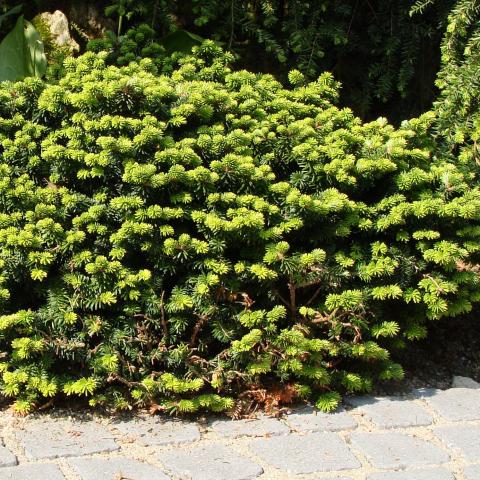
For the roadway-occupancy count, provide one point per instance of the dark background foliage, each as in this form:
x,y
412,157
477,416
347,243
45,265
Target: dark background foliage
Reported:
x,y
385,58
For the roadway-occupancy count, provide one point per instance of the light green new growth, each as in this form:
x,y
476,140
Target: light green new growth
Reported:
x,y
177,240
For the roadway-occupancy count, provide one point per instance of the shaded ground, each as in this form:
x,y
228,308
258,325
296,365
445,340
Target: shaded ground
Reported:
x,y
452,348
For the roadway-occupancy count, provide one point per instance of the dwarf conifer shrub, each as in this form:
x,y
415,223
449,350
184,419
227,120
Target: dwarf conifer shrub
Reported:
x,y
211,237
136,44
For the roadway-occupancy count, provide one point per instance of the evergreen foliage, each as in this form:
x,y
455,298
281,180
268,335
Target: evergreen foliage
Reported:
x,y
137,43
457,114
457,108
385,58
182,240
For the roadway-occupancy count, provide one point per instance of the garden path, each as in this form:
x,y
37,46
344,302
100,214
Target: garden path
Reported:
x,y
426,435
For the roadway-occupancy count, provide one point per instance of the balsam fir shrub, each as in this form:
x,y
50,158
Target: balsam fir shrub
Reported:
x,y
137,43
210,238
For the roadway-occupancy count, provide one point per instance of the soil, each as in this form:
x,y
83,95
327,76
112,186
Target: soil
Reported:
x,y
451,348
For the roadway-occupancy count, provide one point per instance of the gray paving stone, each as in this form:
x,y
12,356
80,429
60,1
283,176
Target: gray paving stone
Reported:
x,y
254,428
455,404
54,437
311,420
115,468
465,438
335,478
7,458
430,474
210,462
393,412
297,454
397,450
363,400
37,471
472,472
154,431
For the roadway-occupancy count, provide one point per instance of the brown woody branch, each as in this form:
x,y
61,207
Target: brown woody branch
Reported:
x,y
202,320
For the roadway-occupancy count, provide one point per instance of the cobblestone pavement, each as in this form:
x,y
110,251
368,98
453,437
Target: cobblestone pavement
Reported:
x,y
428,435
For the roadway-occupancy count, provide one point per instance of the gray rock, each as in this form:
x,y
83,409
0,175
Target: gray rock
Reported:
x,y
465,438
254,428
210,462
297,454
397,451
7,458
472,472
464,382
53,438
431,474
89,17
154,431
455,404
57,23
115,468
391,412
36,471
311,420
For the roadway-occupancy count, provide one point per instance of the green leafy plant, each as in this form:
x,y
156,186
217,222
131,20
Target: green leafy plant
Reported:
x,y
180,41
126,9
21,53
207,239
